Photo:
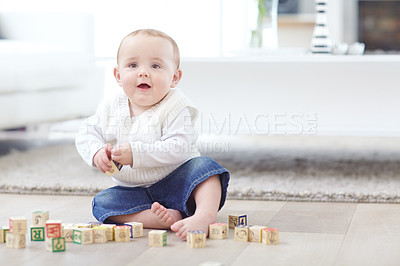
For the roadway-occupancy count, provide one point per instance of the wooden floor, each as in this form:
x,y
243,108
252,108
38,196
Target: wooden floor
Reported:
x,y
310,234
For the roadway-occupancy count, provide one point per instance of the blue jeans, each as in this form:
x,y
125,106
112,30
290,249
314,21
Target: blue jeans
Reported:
x,y
173,192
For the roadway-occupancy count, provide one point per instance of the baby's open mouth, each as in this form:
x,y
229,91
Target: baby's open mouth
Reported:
x,y
144,86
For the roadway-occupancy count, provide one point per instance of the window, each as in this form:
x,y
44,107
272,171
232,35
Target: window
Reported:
x,y
195,25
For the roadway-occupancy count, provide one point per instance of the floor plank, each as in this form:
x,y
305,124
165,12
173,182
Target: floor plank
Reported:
x,y
317,217
373,237
293,249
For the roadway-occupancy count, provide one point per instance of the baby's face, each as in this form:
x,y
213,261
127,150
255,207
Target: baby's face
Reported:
x,y
147,70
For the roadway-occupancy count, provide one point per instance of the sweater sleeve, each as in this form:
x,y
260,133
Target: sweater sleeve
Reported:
x,y
89,139
177,140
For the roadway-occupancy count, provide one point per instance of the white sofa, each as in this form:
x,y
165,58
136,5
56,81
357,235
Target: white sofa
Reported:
x,y
47,68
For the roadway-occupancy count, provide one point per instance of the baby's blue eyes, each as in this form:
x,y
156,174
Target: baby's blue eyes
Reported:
x,y
154,66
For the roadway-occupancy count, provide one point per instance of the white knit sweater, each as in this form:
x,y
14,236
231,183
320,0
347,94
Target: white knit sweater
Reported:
x,y
159,139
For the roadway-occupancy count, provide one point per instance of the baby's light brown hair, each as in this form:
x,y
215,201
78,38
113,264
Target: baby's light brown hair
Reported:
x,y
154,33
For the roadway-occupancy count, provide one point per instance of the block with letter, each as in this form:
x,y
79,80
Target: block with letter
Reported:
x,y
68,233
270,236
158,238
115,168
37,234
196,239
242,233
255,233
53,228
136,229
18,225
235,220
100,234
77,236
15,240
2,240
218,231
6,229
39,218
56,244
87,235
82,236
122,233
110,231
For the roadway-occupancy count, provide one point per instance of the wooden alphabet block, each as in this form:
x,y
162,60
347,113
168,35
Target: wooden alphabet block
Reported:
x,y
255,233
115,168
83,236
158,238
87,235
56,244
68,233
218,231
242,233
37,234
15,240
122,233
6,229
136,229
2,240
196,239
18,225
100,234
270,236
77,236
110,231
53,228
235,220
39,218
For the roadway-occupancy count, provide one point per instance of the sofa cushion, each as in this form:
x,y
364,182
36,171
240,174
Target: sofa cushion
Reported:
x,y
30,66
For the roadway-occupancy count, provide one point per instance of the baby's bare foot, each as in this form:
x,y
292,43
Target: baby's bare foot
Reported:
x,y
167,216
195,222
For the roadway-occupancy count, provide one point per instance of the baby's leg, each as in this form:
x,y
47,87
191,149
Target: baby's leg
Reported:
x,y
207,196
158,217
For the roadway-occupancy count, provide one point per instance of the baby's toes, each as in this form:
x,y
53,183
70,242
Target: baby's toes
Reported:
x,y
177,226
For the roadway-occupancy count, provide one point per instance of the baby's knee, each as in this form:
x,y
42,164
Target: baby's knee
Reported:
x,y
202,162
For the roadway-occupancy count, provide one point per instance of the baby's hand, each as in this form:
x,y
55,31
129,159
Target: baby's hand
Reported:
x,y
122,154
102,158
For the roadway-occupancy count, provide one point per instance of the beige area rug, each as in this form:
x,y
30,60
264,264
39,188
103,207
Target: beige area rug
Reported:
x,y
345,169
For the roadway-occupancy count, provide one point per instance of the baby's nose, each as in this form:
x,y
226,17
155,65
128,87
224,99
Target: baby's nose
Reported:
x,y
143,72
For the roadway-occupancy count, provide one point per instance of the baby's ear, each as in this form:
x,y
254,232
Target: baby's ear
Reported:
x,y
176,78
117,76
